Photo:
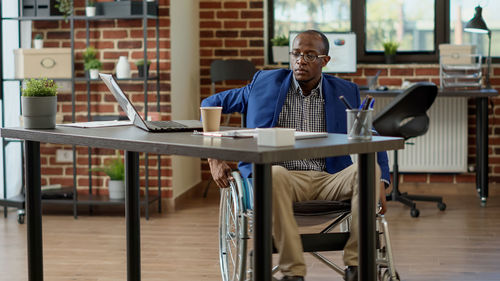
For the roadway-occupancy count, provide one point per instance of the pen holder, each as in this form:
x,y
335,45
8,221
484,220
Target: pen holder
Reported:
x,y
359,124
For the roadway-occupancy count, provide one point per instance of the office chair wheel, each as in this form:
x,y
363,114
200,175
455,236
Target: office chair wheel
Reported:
x,y
441,206
387,276
415,213
20,216
232,234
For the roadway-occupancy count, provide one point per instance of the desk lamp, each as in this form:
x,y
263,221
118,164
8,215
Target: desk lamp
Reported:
x,y
477,25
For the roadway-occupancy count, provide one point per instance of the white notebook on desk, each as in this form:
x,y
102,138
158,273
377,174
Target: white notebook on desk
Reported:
x,y
252,133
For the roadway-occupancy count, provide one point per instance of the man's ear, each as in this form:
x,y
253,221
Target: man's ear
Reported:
x,y
325,61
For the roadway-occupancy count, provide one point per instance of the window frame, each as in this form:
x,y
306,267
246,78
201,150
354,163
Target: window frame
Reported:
x,y
358,20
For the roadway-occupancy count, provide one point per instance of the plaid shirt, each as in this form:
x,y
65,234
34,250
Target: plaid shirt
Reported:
x,y
304,113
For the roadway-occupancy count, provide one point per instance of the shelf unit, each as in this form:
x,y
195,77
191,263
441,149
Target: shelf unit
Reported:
x,y
90,199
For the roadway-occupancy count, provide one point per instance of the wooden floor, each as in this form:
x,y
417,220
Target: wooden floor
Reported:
x,y
462,243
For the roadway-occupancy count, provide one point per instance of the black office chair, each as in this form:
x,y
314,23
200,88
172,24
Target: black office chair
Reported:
x,y
406,117
223,70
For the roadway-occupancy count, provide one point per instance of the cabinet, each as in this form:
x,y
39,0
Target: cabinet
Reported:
x,y
149,81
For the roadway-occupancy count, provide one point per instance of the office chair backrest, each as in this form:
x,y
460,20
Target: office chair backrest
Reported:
x,y
405,116
222,70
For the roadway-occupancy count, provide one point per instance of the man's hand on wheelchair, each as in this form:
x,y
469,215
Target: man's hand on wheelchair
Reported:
x,y
382,201
221,172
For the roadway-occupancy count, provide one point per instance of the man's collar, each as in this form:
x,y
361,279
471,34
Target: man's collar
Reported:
x,y
316,91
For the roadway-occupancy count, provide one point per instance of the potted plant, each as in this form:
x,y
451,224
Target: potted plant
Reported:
x,y
90,8
65,7
115,170
38,41
93,67
91,63
39,104
280,49
390,49
140,67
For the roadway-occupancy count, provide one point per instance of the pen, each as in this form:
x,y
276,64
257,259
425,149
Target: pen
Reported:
x,y
346,103
371,104
362,104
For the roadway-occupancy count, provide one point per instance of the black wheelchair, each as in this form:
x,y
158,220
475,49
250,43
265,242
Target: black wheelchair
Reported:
x,y
235,232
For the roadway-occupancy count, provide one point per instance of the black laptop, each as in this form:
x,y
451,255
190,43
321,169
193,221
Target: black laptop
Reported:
x,y
136,118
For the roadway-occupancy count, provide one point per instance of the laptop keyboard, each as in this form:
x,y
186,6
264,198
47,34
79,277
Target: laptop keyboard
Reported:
x,y
166,124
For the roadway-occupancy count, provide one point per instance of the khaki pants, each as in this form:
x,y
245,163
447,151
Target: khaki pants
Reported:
x,y
296,186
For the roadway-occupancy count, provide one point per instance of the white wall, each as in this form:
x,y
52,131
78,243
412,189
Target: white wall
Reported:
x,y
185,84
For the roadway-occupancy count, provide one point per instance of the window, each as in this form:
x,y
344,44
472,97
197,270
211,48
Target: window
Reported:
x,y
461,11
408,22
418,25
324,15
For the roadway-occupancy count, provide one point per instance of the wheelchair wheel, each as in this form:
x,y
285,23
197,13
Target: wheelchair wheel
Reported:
x,y
232,234
387,276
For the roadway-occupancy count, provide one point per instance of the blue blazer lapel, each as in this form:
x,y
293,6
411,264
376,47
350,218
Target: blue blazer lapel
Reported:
x,y
281,98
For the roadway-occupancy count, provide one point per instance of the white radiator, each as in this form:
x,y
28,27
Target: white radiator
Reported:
x,y
444,147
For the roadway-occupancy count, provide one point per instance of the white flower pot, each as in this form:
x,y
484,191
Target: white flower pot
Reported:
x,y
116,189
280,54
39,112
38,43
94,73
90,11
123,68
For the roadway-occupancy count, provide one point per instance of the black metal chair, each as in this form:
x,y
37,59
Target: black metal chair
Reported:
x,y
406,117
223,70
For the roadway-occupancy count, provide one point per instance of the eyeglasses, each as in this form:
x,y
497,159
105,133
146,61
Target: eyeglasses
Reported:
x,y
307,57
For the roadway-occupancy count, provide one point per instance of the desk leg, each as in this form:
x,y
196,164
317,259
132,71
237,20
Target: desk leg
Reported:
x,y
366,244
482,149
132,214
34,210
262,182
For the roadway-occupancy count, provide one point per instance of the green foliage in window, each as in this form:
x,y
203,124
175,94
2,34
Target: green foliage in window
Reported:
x,y
280,41
390,47
39,88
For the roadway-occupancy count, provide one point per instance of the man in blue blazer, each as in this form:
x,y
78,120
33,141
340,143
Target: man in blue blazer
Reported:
x,y
305,99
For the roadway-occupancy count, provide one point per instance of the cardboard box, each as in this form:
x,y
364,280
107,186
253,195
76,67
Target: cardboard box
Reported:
x,y
456,54
45,62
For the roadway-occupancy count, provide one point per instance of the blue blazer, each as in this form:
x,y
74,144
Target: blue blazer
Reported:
x,y
261,102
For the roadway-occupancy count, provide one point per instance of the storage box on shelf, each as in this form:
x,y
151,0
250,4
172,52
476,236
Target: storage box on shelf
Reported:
x,y
46,62
40,8
125,8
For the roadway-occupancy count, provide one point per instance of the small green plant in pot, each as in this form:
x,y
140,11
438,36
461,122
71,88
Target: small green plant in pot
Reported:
x,y
65,7
115,170
140,67
90,8
39,104
38,41
91,63
390,50
280,49
93,67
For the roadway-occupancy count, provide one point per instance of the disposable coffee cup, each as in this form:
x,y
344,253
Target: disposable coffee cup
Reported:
x,y
210,117
359,124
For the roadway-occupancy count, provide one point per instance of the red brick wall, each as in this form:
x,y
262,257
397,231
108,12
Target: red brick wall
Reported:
x,y
235,29
112,38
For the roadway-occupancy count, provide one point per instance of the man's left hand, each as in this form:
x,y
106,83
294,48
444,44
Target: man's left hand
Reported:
x,y
383,201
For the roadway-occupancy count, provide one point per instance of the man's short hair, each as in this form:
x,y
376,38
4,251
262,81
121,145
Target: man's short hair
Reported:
x,y
326,44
